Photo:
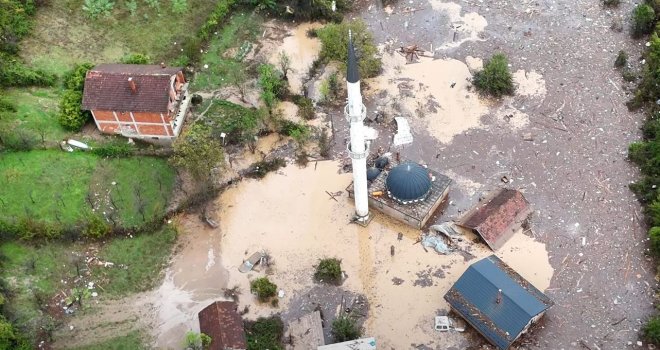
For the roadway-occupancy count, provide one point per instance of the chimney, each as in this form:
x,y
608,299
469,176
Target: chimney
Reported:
x,y
499,296
131,84
162,65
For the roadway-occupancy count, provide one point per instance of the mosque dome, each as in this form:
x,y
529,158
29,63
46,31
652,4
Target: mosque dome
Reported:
x,y
408,183
372,173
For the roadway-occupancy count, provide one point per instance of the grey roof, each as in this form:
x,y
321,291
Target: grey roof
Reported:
x,y
474,297
352,74
408,182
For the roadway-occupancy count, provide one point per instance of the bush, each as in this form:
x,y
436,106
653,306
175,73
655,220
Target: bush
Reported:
x,y
324,144
273,85
197,151
260,169
13,73
305,107
299,132
334,46
135,58
96,227
115,150
264,333
345,328
263,288
654,236
329,271
495,79
221,10
621,59
71,116
179,6
197,341
97,8
75,78
240,124
651,330
643,18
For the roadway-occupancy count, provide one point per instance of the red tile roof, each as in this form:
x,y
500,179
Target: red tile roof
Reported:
x,y
497,217
107,88
224,325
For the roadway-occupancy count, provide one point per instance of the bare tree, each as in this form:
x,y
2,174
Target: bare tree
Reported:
x,y
285,64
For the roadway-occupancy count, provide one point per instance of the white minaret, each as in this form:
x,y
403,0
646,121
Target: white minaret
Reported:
x,y
355,113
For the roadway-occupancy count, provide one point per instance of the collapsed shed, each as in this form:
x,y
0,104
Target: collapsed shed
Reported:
x,y
496,218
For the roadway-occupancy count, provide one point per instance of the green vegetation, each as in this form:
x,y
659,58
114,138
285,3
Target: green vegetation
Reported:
x,y
299,132
621,59
495,79
240,124
51,192
273,85
197,151
137,262
328,271
264,333
135,58
305,107
643,18
197,341
263,288
651,330
130,341
239,32
259,170
345,328
72,117
334,46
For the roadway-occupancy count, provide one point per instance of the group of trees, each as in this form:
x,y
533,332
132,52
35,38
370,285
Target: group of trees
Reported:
x,y
104,8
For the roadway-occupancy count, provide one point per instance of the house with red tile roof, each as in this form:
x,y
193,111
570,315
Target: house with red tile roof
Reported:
x,y
137,101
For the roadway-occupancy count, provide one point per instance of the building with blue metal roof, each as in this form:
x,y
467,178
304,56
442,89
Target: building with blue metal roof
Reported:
x,y
498,302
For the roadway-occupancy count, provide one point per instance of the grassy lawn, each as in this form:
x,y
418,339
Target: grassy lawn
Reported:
x,y
131,341
36,113
240,31
55,187
63,35
35,273
143,256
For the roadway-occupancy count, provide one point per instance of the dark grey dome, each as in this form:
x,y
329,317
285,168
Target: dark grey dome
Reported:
x,y
372,173
408,183
381,163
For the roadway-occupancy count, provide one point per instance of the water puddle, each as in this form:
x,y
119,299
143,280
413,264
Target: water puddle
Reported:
x,y
301,49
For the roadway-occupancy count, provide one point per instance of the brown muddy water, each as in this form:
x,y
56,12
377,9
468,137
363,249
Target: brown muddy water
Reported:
x,y
301,49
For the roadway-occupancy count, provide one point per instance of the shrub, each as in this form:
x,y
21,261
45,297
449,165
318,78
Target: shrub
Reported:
x,y
621,59
263,288
97,8
13,73
329,271
305,107
495,79
215,18
260,169
654,236
651,330
345,328
299,132
197,151
324,144
334,46
115,150
71,116
179,6
264,333
196,341
643,17
75,78
95,227
135,58
273,85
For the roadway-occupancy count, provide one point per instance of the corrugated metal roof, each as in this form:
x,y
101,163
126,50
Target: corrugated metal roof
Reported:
x,y
497,217
224,325
306,332
358,344
107,88
474,296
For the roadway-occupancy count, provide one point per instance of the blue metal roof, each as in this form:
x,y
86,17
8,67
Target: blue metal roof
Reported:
x,y
474,296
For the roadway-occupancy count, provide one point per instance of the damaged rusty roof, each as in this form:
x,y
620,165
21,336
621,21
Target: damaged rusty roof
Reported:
x,y
497,217
476,294
224,325
107,88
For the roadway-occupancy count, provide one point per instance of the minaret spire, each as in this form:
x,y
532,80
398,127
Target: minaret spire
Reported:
x,y
355,113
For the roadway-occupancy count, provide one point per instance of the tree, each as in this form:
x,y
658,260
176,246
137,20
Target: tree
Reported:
x,y
272,85
285,64
495,79
197,341
334,46
197,151
237,78
135,58
345,328
71,116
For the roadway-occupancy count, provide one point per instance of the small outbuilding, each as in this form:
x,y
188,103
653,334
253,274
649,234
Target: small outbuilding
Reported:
x,y
358,344
497,217
305,332
224,325
499,303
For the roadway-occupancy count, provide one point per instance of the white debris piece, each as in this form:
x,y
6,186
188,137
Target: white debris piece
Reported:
x,y
403,135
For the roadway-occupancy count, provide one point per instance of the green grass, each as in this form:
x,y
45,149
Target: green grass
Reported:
x,y
131,341
54,187
36,113
240,29
63,36
143,257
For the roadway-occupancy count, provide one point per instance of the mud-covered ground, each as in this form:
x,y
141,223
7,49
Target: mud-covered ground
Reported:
x,y
574,171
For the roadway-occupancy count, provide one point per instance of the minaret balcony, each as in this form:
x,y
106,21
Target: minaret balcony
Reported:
x,y
358,155
355,119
